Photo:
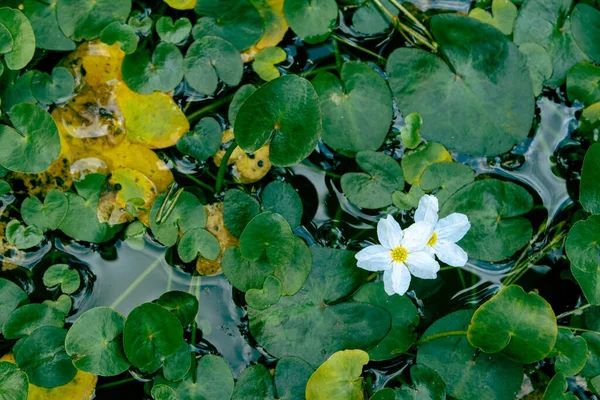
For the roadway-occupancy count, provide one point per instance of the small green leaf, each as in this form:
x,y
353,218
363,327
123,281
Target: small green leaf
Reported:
x,y
204,141
268,233
187,214
410,131
339,377
173,32
48,35
281,198
408,201
445,179
261,299
177,365
85,19
311,20
416,162
238,99
583,83
4,187
23,237
265,60
120,33
47,216
238,209
95,341
23,36
63,275
18,91
254,382
557,389
183,305
291,376
15,384
62,304
570,352
502,17
426,384
592,366
26,319
198,241
163,392
162,71
589,196
373,188
242,273
141,23
539,64
55,88
369,19
294,274
11,298
6,41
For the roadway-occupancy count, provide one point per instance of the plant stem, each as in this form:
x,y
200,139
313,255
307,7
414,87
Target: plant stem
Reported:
x,y
351,44
196,115
223,166
200,183
577,329
440,335
117,383
575,311
402,28
138,280
411,17
317,70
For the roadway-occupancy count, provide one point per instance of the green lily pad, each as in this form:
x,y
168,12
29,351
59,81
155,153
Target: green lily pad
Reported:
x,y
85,19
468,373
238,99
242,273
357,109
539,64
270,233
589,195
445,179
23,36
187,214
570,352
43,18
23,237
198,241
557,389
521,325
15,384
369,19
183,305
33,144
177,365
404,315
311,20
43,358
141,23
495,210
314,323
426,384
281,198
408,201
151,333
212,381
255,382
590,119
583,83
582,249
373,188
6,42
384,394
47,216
161,71
63,275
339,377
173,32
546,23
592,366
210,59
4,187
502,17
291,376
487,106
163,392
28,318
236,21
416,162
265,60
122,34
261,299
63,304
18,91
204,141
11,298
95,341
293,275
585,24
410,131
238,210
284,112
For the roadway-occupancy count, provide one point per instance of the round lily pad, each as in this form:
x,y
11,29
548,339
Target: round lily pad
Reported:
x,y
521,325
63,275
444,179
585,24
261,299
210,59
357,109
311,20
14,382
11,297
242,273
23,237
33,144
47,216
238,209
582,83
269,233
570,352
281,198
173,32
487,106
373,188
28,318
426,383
85,19
467,372
254,382
369,19
21,30
198,241
582,249
177,365
151,333
339,377
293,274
183,305
291,376
204,141
48,35
95,341
161,71
236,21
284,112
265,60
122,34
495,210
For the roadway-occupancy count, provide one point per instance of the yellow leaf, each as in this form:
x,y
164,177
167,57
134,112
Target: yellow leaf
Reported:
x,y
182,4
246,168
276,26
215,225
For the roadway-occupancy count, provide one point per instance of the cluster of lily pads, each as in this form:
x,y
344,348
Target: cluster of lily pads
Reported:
x,y
97,99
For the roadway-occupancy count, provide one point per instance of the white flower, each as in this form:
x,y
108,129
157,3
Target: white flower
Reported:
x,y
444,232
400,254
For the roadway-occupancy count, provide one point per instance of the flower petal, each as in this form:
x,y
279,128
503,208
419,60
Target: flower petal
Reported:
x,y
453,227
389,232
396,280
374,258
416,236
450,253
422,265
427,210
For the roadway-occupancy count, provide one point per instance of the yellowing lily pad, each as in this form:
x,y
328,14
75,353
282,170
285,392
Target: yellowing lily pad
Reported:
x,y
182,4
216,225
82,386
246,168
276,26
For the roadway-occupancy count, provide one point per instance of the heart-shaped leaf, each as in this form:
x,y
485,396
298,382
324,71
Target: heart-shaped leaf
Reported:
x,y
48,35
22,237
311,20
20,29
271,234
238,209
85,19
122,34
261,299
339,377
416,162
410,131
444,179
47,216
173,32
55,88
26,319
570,352
502,17
557,389
198,242
183,305
265,60
63,275
162,71
63,304
187,214
204,141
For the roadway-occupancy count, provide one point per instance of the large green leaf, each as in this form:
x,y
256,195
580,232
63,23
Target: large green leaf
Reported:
x,y
313,323
11,297
14,383
85,19
311,20
583,248
426,384
284,112
468,373
271,234
339,377
28,318
254,382
291,376
585,24
23,36
583,83
495,209
357,110
570,352
480,101
43,18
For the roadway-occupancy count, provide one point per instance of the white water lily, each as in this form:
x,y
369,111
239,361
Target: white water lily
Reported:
x,y
400,254
445,232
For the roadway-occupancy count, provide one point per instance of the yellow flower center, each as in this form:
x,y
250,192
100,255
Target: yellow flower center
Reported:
x,y
399,254
432,239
